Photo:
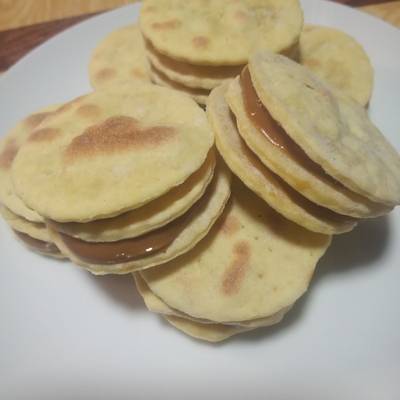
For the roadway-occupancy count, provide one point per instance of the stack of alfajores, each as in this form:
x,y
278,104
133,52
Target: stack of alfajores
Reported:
x,y
27,224
125,177
320,165
195,46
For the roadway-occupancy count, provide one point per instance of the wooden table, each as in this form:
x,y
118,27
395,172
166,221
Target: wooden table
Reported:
x,y
15,43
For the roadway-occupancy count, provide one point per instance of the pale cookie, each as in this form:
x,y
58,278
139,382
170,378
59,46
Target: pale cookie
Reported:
x,y
332,129
257,177
293,165
197,223
149,217
251,265
220,32
9,147
120,56
339,59
111,151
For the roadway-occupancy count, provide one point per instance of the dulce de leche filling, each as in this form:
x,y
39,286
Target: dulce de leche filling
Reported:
x,y
38,245
125,250
262,120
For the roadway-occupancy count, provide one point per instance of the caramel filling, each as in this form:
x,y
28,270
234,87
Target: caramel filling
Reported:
x,y
126,250
38,245
201,71
179,86
262,120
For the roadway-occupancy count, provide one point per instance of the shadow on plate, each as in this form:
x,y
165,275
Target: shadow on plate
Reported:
x,y
121,289
359,249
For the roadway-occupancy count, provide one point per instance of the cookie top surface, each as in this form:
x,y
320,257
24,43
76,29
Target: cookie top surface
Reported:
x,y
339,59
196,223
9,147
120,56
220,32
252,264
111,151
332,129
151,216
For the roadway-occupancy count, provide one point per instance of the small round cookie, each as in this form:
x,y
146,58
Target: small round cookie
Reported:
x,y
117,257
251,265
220,32
339,59
197,76
33,234
156,305
110,152
208,332
9,147
151,216
279,153
257,177
120,56
37,230
332,129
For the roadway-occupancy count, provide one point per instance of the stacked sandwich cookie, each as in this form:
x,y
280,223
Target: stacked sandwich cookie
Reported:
x,y
247,273
193,47
307,149
310,164
208,61
27,224
125,177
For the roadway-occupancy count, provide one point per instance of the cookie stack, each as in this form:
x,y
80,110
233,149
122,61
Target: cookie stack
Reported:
x,y
247,273
125,177
27,224
307,149
194,48
309,164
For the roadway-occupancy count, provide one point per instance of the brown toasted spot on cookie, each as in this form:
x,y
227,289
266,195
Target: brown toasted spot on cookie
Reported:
x,y
236,271
44,135
165,25
34,120
88,111
230,225
200,42
8,154
137,73
106,74
117,134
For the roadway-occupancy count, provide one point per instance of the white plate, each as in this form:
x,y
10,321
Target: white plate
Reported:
x,y
65,334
